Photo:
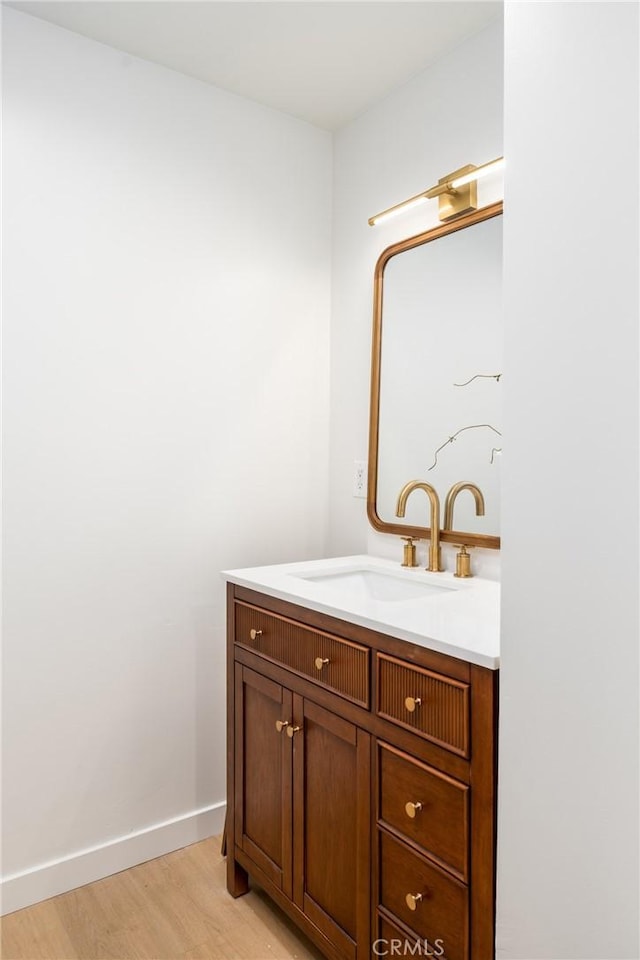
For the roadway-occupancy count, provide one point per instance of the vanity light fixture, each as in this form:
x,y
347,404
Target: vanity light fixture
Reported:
x,y
456,193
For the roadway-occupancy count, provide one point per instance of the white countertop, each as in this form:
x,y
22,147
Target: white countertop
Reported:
x,y
460,618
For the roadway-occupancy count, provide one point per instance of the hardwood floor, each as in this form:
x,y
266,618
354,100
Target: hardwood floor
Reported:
x,y
172,908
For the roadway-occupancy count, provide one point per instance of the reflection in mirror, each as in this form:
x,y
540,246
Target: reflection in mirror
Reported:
x,y
436,376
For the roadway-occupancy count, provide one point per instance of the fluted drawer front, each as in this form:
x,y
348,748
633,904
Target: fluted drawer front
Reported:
x,y
394,942
338,664
426,806
425,898
433,706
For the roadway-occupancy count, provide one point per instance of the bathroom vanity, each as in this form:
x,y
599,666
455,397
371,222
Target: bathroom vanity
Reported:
x,y
362,707
363,697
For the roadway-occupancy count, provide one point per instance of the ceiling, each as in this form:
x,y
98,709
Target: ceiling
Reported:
x,y
324,62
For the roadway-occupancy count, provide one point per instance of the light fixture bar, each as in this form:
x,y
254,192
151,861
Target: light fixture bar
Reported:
x,y
492,167
398,208
446,187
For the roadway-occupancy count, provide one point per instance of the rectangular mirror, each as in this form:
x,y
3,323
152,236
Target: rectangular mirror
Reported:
x,y
436,372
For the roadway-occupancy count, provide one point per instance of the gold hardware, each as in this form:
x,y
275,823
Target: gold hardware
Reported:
x,y
409,551
411,809
456,193
463,563
291,730
435,561
454,201
411,703
254,634
450,499
321,662
412,900
281,724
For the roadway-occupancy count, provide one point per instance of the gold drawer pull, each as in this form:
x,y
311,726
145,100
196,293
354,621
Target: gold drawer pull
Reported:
x,y
321,662
412,900
411,809
254,634
281,724
411,703
291,730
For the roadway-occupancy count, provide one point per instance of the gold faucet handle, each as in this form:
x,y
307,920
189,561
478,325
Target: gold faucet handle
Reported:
x,y
463,561
409,552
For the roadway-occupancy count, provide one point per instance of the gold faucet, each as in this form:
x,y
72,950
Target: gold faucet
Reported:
x,y
435,565
451,499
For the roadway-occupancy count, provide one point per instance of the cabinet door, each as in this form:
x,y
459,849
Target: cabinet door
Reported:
x,y
332,760
263,775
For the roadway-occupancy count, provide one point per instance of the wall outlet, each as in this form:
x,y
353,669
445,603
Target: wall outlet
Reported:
x,y
360,478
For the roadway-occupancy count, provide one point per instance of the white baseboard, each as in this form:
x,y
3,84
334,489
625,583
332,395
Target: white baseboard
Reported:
x,y
49,879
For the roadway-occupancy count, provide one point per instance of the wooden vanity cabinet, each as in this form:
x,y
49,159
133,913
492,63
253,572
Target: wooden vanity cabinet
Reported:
x,y
263,803
361,783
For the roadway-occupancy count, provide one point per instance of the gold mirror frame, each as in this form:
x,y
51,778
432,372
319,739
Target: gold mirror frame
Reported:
x,y
401,529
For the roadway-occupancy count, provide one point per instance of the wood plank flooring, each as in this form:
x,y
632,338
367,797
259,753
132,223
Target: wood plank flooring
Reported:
x,y
172,908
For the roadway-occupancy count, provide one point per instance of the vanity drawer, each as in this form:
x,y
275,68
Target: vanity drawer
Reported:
x,y
433,706
394,942
441,913
426,806
337,664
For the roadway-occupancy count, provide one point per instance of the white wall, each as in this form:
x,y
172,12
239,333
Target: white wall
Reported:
x,y
568,816
166,302
449,115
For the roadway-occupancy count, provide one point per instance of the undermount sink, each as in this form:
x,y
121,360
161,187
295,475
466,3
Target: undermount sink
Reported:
x,y
376,585
454,616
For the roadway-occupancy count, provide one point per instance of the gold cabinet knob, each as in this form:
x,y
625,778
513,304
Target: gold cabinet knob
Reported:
x,y
411,703
254,634
281,724
411,809
321,662
291,730
412,900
